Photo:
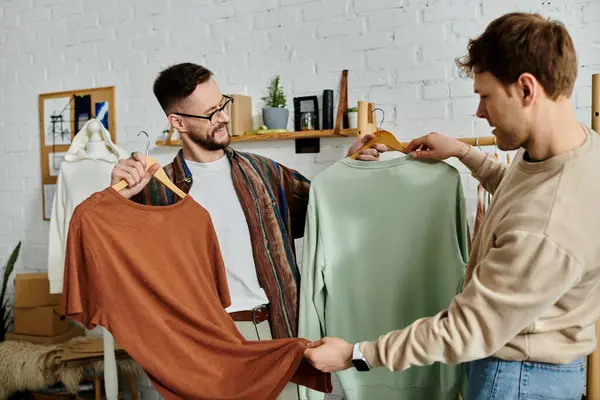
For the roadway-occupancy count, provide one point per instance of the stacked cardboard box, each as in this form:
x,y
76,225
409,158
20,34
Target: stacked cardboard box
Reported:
x,y
38,315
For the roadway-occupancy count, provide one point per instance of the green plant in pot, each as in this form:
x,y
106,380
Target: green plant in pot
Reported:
x,y
4,307
275,115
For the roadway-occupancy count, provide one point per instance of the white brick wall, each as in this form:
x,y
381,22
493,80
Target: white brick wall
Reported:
x,y
399,52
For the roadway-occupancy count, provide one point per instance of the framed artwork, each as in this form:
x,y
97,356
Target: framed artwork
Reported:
x,y
54,160
306,113
62,115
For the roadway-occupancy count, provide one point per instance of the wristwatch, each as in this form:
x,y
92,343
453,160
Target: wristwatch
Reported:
x,y
358,360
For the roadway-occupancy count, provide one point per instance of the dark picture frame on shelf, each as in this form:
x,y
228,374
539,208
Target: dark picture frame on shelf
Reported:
x,y
306,104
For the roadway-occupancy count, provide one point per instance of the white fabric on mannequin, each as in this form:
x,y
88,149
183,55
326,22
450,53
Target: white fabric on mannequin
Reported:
x,y
86,169
95,133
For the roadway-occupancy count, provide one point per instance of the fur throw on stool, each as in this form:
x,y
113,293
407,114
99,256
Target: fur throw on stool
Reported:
x,y
28,366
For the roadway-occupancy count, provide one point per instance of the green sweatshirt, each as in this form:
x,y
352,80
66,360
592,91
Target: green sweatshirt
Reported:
x,y
385,244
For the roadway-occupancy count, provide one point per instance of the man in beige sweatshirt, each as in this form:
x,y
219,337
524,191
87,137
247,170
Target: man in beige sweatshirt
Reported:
x,y
524,322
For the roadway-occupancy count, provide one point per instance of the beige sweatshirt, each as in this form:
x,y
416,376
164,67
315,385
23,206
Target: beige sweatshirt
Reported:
x,y
531,287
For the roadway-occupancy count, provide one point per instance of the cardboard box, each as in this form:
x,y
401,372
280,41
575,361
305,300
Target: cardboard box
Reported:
x,y
240,115
40,321
33,290
72,331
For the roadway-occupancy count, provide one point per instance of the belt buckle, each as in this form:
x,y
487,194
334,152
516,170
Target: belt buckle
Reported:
x,y
255,310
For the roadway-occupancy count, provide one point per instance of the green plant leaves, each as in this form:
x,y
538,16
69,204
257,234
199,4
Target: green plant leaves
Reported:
x,y
8,270
275,97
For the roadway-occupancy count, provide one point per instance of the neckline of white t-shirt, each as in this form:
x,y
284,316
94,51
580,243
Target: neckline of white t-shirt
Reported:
x,y
220,164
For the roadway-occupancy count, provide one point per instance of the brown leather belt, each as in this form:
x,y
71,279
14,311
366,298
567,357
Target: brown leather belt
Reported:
x,y
258,315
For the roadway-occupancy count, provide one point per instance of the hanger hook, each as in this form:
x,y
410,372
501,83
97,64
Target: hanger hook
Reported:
x,y
147,140
382,117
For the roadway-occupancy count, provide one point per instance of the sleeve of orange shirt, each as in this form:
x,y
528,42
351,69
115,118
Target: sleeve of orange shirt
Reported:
x,y
78,297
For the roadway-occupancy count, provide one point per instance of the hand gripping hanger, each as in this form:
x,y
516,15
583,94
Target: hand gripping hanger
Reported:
x,y
159,174
366,124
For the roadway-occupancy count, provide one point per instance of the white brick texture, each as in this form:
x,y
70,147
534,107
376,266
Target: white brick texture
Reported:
x,y
400,54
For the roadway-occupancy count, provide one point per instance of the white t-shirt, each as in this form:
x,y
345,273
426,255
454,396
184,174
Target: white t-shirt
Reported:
x,y
213,189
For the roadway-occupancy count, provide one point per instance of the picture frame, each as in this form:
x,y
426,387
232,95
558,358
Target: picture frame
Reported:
x,y
306,104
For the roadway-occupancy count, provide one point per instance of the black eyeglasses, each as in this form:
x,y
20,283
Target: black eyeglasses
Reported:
x,y
212,117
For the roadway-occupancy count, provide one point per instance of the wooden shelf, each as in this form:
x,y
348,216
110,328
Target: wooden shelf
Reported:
x,y
328,133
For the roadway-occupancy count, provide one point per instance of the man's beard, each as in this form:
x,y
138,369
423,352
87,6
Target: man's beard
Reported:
x,y
209,142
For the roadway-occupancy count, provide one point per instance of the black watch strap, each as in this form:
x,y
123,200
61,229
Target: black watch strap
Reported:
x,y
358,360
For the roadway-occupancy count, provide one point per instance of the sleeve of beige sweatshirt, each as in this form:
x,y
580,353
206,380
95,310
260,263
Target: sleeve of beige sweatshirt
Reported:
x,y
523,275
485,168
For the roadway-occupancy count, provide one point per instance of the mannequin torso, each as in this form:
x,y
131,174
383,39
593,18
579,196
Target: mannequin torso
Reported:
x,y
96,147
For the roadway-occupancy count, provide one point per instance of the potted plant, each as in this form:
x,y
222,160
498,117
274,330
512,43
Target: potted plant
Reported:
x,y
275,115
4,307
353,117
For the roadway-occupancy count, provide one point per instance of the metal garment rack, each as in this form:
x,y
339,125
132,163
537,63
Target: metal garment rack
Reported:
x,y
593,360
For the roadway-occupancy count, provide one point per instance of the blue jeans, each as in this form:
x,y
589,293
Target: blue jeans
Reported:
x,y
496,379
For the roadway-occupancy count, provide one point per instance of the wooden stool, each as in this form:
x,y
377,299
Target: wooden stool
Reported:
x,y
97,380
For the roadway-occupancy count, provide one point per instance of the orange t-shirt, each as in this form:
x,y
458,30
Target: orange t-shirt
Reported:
x,y
154,277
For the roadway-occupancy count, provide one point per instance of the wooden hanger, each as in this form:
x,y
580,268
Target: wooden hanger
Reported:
x,y
383,137
366,124
159,174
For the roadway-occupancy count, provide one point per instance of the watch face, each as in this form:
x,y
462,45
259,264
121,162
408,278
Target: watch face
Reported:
x,y
360,365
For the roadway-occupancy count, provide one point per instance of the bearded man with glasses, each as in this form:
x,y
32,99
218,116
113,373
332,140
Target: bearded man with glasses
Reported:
x,y
220,128
257,206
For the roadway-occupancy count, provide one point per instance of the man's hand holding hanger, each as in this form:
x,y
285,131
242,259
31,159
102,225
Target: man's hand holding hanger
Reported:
x,y
371,154
437,147
133,170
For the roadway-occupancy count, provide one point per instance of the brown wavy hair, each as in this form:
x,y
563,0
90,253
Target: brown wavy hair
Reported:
x,y
517,43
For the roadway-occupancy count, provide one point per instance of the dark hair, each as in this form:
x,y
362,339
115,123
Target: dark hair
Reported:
x,y
517,43
177,82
